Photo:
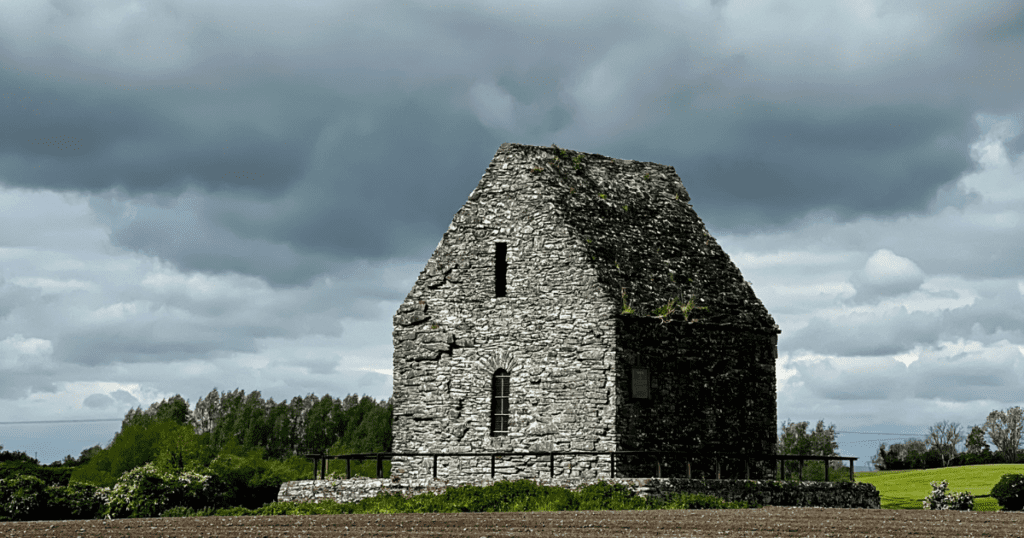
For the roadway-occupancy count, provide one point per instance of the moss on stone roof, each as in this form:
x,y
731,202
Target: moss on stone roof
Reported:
x,y
650,249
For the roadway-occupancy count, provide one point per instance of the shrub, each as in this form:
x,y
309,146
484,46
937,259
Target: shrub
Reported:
x,y
23,498
234,511
1009,491
249,481
185,511
147,491
696,501
605,496
940,500
75,501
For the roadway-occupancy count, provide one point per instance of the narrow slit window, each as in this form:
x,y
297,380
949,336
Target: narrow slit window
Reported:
x,y
641,383
500,268
499,402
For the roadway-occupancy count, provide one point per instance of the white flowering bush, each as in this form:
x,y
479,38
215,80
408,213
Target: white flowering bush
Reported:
x,y
940,500
22,498
147,491
28,498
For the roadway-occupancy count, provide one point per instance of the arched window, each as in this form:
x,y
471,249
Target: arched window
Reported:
x,y
499,402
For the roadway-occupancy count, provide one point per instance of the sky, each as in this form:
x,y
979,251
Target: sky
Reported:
x,y
220,194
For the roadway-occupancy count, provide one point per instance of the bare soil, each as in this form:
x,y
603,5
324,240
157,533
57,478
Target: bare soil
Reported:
x,y
762,522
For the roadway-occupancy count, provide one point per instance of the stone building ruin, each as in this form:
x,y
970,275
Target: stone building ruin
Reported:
x,y
577,302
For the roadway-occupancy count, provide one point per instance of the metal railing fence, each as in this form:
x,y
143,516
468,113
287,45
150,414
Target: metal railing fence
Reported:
x,y
320,460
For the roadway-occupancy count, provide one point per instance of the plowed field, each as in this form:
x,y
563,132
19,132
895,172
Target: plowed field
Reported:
x,y
770,521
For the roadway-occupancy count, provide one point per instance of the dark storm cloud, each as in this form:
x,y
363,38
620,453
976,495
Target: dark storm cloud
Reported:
x,y
777,162
367,152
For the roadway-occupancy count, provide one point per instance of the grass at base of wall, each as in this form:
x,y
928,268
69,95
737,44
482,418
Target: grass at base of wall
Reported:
x,y
906,489
518,496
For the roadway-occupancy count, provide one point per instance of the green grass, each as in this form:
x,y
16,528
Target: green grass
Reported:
x,y
899,490
518,496
905,490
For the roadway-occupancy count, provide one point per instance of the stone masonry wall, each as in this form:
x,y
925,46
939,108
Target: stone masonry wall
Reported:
x,y
586,237
764,492
712,388
553,332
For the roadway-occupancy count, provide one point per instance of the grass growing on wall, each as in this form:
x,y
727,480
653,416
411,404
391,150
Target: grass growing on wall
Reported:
x,y
906,489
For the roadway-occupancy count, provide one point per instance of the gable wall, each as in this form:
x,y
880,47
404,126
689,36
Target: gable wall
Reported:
x,y
554,332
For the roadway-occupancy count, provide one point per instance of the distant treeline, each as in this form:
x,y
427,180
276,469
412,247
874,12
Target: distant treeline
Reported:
x,y
303,425
222,424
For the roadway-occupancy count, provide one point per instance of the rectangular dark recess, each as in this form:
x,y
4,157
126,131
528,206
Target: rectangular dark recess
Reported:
x,y
641,383
500,269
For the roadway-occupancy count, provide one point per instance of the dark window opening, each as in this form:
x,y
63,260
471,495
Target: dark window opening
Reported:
x,y
641,383
500,269
499,403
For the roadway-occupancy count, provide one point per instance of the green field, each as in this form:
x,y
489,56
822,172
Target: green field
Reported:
x,y
905,490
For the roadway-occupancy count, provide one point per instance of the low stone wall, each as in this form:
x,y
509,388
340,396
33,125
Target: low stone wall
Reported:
x,y
766,492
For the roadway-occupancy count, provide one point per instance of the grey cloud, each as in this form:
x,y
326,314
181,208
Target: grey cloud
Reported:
x,y
98,401
887,332
373,379
12,296
878,378
997,375
124,397
997,314
319,161
886,274
316,365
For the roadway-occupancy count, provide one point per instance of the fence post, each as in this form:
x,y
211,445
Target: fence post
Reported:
x,y
552,465
718,468
613,464
380,466
492,465
801,469
851,469
435,465
687,468
827,460
746,467
348,467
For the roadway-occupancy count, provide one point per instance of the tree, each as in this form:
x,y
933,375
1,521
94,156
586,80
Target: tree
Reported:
x,y
174,409
1005,429
179,450
943,437
914,453
976,441
884,460
206,416
795,439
